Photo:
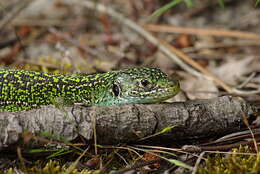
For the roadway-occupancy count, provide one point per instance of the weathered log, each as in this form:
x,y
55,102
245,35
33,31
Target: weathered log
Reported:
x,y
128,123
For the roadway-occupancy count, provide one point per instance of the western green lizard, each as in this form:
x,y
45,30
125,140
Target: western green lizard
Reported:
x,y
23,90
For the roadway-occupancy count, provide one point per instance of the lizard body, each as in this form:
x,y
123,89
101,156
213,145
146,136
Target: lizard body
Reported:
x,y
23,90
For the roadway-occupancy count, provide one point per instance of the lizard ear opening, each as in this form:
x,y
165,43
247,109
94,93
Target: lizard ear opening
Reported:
x,y
116,90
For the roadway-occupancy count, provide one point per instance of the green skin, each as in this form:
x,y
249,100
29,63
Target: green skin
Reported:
x,y
24,90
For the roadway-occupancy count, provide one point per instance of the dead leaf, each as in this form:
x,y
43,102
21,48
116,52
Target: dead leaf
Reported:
x,y
198,88
230,71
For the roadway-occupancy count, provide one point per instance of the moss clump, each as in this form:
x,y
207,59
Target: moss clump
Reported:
x,y
52,167
233,163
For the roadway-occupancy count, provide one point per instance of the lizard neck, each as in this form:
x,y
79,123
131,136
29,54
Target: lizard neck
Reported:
x,y
81,88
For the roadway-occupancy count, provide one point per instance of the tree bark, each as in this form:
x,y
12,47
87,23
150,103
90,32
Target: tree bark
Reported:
x,y
129,123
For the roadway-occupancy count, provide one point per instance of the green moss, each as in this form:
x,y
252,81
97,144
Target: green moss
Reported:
x,y
233,163
52,167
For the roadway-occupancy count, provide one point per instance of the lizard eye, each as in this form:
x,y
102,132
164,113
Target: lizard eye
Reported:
x,y
116,89
144,83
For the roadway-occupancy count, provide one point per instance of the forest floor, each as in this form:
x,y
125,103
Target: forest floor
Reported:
x,y
212,50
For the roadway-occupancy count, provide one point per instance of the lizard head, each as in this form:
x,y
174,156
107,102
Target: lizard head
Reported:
x,y
139,85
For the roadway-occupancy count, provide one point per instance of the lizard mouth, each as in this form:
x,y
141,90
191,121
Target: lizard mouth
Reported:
x,y
157,94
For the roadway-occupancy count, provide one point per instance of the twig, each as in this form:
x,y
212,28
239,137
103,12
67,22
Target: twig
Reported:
x,y
13,13
197,66
201,31
231,153
43,22
247,80
236,136
223,147
169,149
7,43
245,43
195,168
245,92
119,124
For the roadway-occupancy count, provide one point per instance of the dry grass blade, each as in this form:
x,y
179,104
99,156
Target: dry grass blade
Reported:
x,y
251,132
200,31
